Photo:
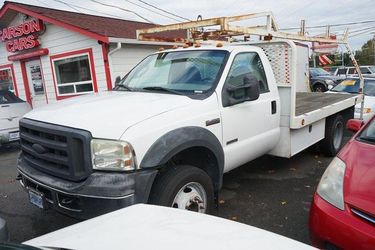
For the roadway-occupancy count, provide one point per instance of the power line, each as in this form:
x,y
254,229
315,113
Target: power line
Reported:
x,y
333,25
363,33
69,5
368,28
152,11
165,11
300,8
42,3
91,10
123,9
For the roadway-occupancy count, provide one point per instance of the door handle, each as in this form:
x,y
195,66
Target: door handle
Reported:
x,y
273,107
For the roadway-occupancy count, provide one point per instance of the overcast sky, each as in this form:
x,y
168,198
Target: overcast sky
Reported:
x,y
288,13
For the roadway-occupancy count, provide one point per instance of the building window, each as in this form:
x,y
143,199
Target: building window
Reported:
x,y
6,79
74,73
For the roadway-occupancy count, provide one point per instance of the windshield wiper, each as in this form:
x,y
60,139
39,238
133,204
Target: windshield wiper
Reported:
x,y
117,87
158,88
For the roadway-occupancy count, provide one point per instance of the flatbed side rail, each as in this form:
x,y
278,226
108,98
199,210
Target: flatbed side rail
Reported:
x,y
308,118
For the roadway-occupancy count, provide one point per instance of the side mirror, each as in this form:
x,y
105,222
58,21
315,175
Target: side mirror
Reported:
x,y
354,125
248,91
118,80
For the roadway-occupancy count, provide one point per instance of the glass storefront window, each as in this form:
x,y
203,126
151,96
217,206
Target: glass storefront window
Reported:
x,y
73,75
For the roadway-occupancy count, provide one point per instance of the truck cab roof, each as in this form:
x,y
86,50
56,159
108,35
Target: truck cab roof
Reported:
x,y
228,48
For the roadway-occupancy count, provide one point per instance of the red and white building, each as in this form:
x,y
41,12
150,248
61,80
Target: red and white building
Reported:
x,y
48,55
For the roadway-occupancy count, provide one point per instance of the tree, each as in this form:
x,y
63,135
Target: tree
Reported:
x,y
366,55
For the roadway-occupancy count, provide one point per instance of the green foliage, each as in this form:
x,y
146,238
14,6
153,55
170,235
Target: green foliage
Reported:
x,y
366,55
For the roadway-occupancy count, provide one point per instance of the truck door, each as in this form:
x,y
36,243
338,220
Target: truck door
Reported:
x,y
251,128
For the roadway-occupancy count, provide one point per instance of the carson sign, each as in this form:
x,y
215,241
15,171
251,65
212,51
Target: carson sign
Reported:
x,y
23,36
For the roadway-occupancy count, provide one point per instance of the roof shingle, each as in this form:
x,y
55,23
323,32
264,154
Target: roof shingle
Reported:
x,y
104,26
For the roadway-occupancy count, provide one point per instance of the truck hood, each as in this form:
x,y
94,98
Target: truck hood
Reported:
x,y
144,227
108,114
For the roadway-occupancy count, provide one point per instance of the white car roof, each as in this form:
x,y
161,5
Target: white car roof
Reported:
x,y
145,227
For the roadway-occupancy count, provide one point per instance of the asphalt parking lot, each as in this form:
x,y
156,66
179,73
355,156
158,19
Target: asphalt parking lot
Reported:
x,y
270,193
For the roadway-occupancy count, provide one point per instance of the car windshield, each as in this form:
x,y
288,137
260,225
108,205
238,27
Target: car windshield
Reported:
x,y
180,72
318,72
372,68
368,134
7,97
352,86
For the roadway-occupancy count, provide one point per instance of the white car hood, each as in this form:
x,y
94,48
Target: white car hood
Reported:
x,y
145,227
108,114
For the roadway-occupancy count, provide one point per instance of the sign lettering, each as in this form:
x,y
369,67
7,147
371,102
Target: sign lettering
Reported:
x,y
22,37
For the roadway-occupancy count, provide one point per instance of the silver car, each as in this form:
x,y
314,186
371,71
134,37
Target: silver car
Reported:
x,y
12,109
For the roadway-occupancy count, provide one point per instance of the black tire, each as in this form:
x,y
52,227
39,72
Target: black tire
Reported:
x,y
318,87
169,183
331,144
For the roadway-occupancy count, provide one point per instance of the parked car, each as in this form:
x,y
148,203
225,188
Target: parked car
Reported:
x,y
321,80
342,215
367,71
145,227
171,128
12,109
351,85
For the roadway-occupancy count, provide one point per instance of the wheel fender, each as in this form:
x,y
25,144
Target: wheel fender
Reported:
x,y
180,139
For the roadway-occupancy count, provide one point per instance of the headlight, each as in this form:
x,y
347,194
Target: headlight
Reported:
x,y
329,82
331,186
112,155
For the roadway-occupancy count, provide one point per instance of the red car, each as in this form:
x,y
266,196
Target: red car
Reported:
x,y
342,215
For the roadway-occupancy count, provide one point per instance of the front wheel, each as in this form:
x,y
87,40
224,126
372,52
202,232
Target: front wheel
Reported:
x,y
184,187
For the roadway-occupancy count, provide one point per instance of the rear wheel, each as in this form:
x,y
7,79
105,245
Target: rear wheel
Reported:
x,y
334,134
184,187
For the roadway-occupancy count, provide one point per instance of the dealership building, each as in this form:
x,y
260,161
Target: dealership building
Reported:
x,y
47,55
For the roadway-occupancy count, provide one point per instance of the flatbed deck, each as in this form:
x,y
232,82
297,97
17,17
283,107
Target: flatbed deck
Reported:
x,y
308,102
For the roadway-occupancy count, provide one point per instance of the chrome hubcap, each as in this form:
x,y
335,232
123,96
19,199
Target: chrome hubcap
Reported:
x,y
191,196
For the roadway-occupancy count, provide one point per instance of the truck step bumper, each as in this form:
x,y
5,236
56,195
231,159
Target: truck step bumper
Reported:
x,y
77,206
100,193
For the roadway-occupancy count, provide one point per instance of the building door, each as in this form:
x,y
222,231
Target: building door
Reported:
x,y
36,83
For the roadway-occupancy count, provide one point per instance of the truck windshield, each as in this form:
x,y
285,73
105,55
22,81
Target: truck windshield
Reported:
x,y
184,72
352,86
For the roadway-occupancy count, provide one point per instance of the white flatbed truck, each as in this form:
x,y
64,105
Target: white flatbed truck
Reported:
x,y
174,125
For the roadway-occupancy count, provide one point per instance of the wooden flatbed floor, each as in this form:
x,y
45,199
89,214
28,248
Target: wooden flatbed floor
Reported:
x,y
307,102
